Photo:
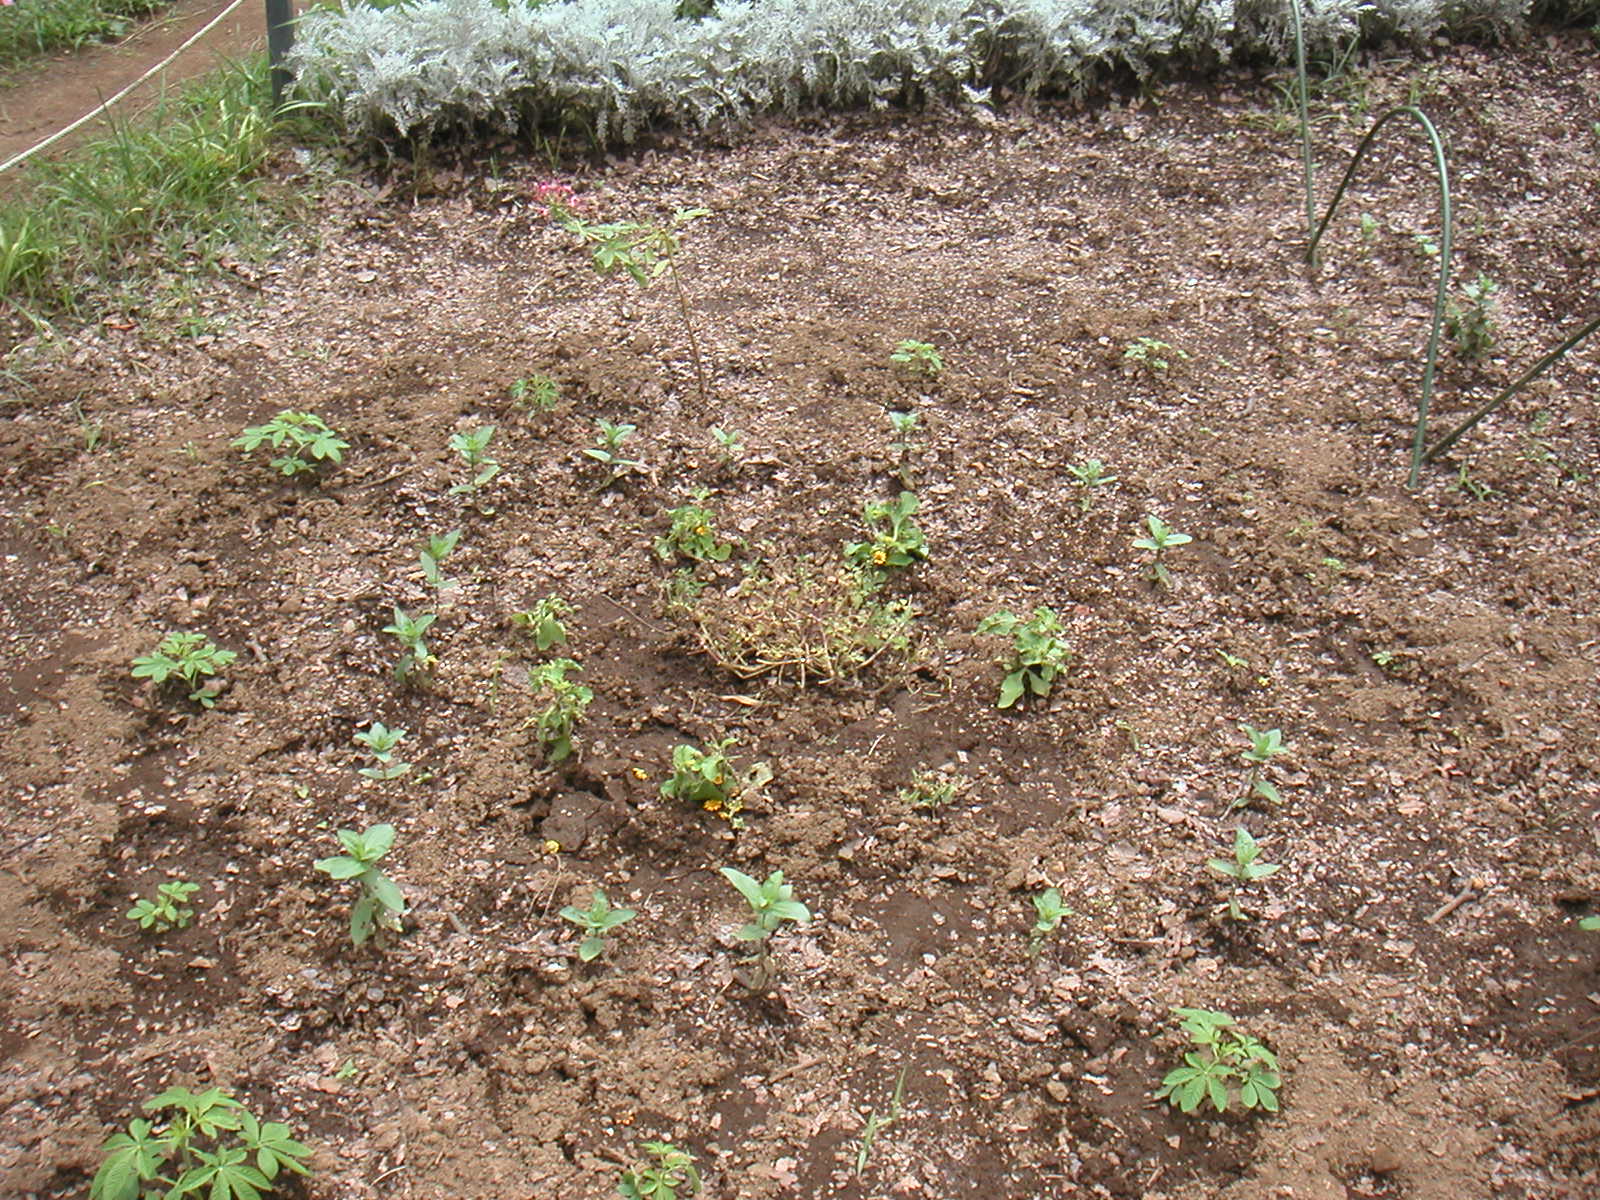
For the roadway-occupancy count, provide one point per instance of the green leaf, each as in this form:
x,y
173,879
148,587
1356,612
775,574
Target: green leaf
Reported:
x,y
748,888
362,920
1218,1092
1267,791
340,867
386,892
790,910
1011,689
591,949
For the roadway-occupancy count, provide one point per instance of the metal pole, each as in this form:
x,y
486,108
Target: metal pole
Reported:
x,y
280,37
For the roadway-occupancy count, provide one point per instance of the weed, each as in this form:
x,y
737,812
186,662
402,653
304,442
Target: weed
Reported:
x,y
877,1124
673,1174
1090,474
204,1148
771,903
1152,355
1225,1066
535,393
416,661
434,551
691,535
1265,745
730,445
608,450
917,358
566,704
191,657
1389,660
380,905
1243,868
381,741
1038,654
1369,225
1475,488
1470,320
473,447
932,790
1427,249
1161,539
543,622
894,542
167,910
596,921
305,436
1049,911
707,779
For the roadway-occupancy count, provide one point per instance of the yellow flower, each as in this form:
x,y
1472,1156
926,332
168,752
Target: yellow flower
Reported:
x,y
880,557
551,846
640,773
713,805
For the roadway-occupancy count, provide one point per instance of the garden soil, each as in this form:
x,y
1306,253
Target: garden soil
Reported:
x,y
1429,655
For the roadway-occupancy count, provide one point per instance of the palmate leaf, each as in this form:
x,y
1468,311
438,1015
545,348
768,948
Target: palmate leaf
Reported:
x,y
132,1158
274,1149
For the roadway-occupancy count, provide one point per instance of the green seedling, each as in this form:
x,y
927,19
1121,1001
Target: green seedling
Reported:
x,y
416,661
473,447
1470,319
305,436
1153,355
771,903
1369,226
543,622
1161,539
1243,868
566,703
904,425
673,1174
1038,654
434,551
381,741
729,443
608,450
596,921
894,540
1589,924
1049,910
380,905
208,1147
1475,488
645,251
190,657
707,779
1090,474
1427,249
1265,745
876,1124
917,358
932,790
167,910
535,393
691,535
1225,1067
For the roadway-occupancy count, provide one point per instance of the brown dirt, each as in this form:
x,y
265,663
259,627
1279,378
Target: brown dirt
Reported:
x,y
1427,1054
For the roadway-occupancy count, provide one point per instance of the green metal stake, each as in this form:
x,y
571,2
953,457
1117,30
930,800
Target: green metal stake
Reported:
x,y
280,37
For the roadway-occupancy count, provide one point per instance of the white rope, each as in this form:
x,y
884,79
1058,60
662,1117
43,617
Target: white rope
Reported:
x,y
105,104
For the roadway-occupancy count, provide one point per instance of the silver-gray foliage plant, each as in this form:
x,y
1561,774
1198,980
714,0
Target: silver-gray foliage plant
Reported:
x,y
611,67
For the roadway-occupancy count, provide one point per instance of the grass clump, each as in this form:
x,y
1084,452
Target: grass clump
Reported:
x,y
31,30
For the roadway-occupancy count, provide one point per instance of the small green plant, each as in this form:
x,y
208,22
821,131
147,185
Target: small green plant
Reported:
x,y
1152,355
1470,319
1161,539
416,661
305,436
932,790
673,1174
730,445
894,542
381,741
434,551
203,1149
1225,1067
1427,249
707,779
596,921
691,534
473,447
190,657
608,450
566,704
1090,474
876,1124
543,622
904,425
535,393
1265,745
1590,924
771,903
1038,654
1243,868
1049,911
167,910
380,905
1369,226
917,358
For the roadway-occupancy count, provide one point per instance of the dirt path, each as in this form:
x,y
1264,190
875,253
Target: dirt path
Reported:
x,y
57,91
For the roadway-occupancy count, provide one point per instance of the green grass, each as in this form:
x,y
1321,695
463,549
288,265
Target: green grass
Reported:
x,y
160,198
31,28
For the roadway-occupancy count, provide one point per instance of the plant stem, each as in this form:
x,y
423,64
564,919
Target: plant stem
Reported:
x,y
688,325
